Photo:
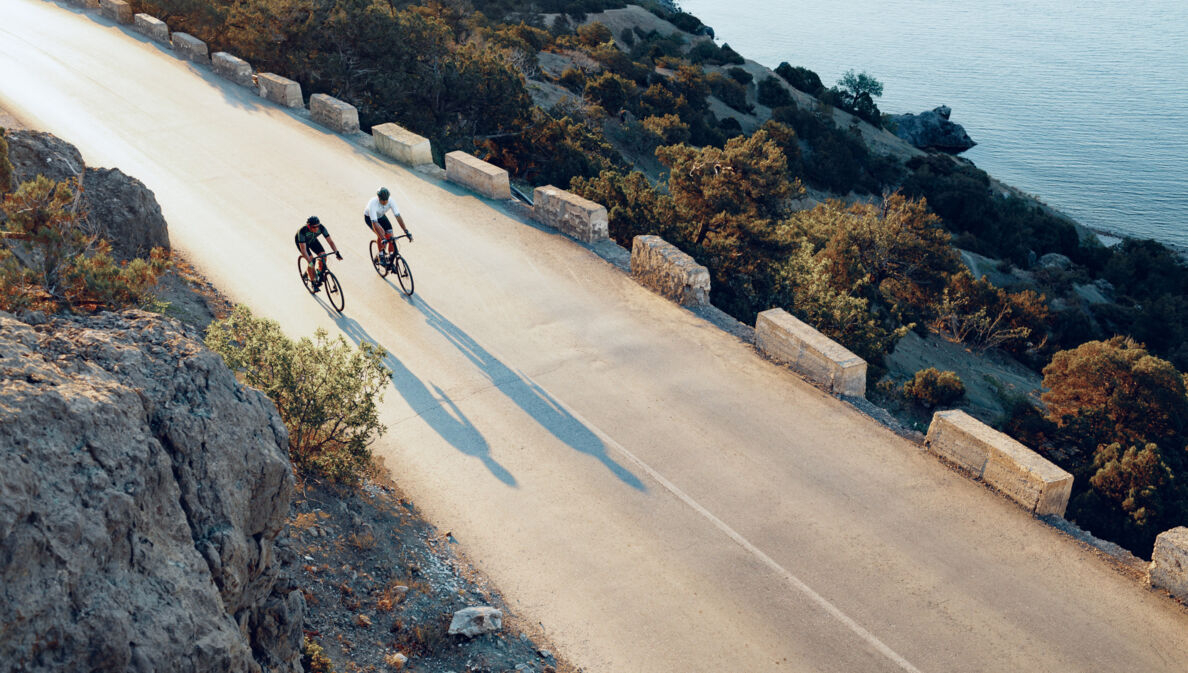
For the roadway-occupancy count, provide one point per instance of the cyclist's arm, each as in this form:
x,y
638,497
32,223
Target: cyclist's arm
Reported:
x,y
332,246
400,221
305,252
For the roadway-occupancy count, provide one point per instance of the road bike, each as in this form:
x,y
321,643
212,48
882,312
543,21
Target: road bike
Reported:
x,y
323,277
394,264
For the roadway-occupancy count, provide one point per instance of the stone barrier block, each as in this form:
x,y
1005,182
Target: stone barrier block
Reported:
x,y
1169,562
190,48
116,10
468,171
1020,473
569,213
333,113
280,90
661,266
152,27
402,145
782,337
231,67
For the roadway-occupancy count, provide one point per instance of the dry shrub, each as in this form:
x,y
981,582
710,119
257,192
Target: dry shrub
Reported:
x,y
931,388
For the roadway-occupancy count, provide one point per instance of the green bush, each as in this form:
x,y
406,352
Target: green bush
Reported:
x,y
611,91
730,92
6,178
930,388
772,93
313,657
685,22
573,79
739,75
802,78
327,392
70,268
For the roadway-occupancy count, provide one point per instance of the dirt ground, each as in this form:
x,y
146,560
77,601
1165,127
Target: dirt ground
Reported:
x,y
379,580
989,377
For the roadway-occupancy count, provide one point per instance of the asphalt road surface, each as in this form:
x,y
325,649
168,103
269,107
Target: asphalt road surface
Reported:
x,y
638,481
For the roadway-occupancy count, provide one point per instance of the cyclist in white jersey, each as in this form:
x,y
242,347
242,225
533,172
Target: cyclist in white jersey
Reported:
x,y
376,219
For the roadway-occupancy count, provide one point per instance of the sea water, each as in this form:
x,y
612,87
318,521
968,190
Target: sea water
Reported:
x,y
1081,104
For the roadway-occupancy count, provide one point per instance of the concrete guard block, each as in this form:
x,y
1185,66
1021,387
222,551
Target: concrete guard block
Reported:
x,y
231,67
333,113
484,178
152,27
569,213
782,337
190,48
1169,562
279,89
662,267
116,10
987,454
402,145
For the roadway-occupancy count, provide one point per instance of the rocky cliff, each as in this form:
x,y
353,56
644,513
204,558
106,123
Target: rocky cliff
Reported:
x,y
119,207
142,489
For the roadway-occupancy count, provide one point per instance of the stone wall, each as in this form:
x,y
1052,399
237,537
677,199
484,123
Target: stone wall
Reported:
x,y
569,213
1169,562
333,113
280,90
402,145
1010,467
661,266
116,10
232,67
484,178
151,27
782,337
190,48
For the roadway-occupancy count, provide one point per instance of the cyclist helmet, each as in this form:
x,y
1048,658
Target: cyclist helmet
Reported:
x,y
383,193
313,221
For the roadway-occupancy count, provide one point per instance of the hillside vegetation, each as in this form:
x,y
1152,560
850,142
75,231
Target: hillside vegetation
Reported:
x,y
776,183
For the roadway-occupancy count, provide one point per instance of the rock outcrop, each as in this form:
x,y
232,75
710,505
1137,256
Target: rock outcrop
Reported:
x,y
142,489
932,130
120,208
124,212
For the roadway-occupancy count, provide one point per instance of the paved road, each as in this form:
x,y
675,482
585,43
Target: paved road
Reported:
x,y
638,481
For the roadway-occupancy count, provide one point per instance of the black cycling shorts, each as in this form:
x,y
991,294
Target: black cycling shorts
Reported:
x,y
315,247
383,222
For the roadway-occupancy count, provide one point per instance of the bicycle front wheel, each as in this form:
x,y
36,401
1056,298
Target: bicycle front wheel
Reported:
x,y
303,270
380,267
334,291
403,275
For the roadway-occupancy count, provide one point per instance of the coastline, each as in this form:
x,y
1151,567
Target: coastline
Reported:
x,y
1050,169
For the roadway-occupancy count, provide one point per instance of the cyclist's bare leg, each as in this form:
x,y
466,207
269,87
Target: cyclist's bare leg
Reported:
x,y
379,235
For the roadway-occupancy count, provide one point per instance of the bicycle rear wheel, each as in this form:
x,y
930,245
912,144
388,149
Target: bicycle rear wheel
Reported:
x,y
303,269
403,275
380,267
334,291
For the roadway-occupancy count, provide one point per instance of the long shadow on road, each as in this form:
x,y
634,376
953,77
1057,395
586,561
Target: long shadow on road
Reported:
x,y
433,406
529,396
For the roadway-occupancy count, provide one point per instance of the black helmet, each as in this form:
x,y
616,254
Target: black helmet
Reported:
x,y
383,193
313,221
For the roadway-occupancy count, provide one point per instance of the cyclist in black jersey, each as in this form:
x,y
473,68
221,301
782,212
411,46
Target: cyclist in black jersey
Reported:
x,y
307,242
